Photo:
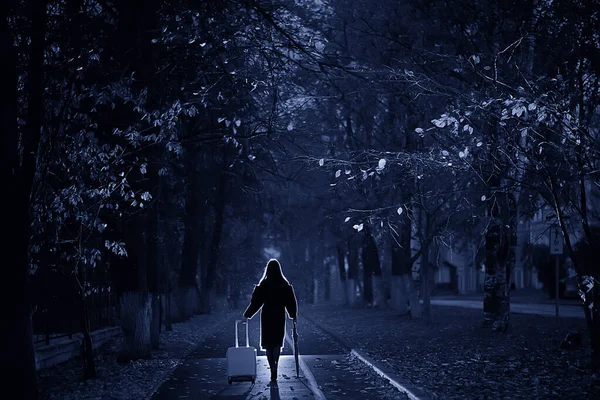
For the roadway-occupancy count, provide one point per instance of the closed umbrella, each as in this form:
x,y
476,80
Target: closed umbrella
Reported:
x,y
296,350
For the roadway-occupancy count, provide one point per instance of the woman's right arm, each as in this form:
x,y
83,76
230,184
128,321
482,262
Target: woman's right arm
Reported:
x,y
291,304
255,303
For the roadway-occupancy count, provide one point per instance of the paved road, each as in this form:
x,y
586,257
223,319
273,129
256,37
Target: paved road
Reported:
x,y
569,311
328,371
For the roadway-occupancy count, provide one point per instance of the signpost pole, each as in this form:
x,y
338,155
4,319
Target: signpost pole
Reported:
x,y
556,249
556,279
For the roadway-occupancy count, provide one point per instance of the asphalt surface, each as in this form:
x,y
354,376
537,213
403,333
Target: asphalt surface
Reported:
x,y
327,370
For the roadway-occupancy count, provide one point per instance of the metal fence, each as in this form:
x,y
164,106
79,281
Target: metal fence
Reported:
x,y
102,310
59,309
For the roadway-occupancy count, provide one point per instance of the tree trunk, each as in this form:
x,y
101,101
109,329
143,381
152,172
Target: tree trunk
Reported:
x,y
595,328
192,239
379,290
380,295
155,321
341,261
407,297
136,301
162,269
377,275
168,321
368,283
19,352
234,286
160,313
215,244
87,349
370,266
413,296
425,273
500,236
494,286
589,288
592,313
136,316
153,270
399,294
352,271
18,356
425,281
499,260
134,30
168,260
327,283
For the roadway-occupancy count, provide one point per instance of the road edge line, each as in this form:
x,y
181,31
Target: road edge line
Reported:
x,y
312,382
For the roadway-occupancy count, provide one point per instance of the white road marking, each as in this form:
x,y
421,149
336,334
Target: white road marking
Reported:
x,y
398,386
312,382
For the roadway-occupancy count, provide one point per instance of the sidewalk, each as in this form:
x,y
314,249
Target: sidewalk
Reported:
x,y
527,296
454,357
134,380
549,310
327,371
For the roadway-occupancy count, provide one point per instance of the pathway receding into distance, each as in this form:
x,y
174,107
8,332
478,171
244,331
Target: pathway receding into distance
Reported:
x,y
328,371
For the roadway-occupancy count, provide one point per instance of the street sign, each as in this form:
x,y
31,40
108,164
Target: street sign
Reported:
x,y
556,241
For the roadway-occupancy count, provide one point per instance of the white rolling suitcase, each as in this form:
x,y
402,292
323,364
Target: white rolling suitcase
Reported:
x,y
241,361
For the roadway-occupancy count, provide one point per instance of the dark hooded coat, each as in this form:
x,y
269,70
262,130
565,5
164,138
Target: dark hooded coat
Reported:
x,y
275,297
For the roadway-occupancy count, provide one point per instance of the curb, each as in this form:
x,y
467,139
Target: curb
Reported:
x,y
411,392
313,385
159,384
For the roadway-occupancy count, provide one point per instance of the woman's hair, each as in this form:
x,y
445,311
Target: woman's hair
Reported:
x,y
273,272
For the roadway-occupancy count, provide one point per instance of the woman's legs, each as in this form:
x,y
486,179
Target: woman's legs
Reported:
x,y
269,352
276,351
273,359
276,354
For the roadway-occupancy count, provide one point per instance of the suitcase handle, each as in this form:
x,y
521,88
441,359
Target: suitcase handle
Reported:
x,y
245,322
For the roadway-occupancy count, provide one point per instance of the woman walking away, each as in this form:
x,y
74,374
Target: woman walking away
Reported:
x,y
275,295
